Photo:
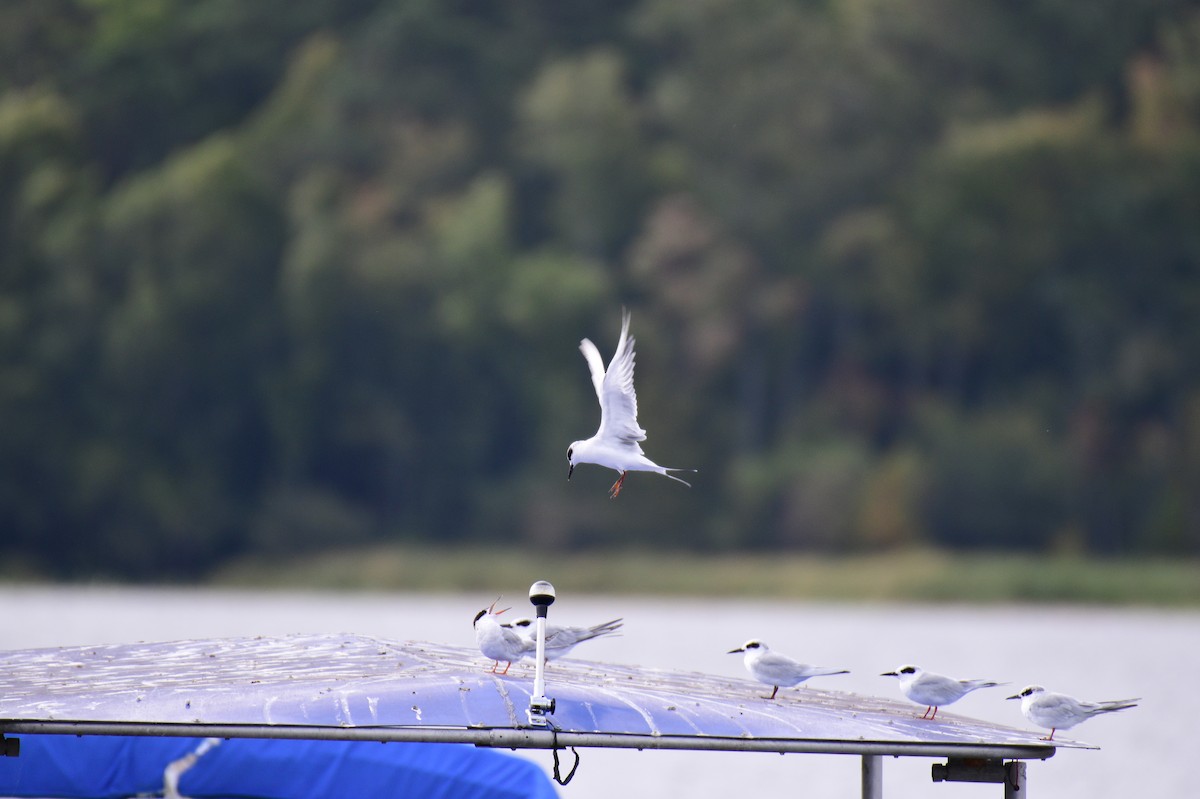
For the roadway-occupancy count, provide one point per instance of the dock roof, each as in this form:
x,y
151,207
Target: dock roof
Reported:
x,y
363,688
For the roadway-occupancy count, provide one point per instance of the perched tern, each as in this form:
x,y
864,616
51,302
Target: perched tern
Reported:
x,y
778,670
615,444
496,641
560,640
934,690
1061,712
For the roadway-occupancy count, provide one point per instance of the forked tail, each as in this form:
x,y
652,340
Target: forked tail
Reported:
x,y
973,685
1117,704
607,628
666,472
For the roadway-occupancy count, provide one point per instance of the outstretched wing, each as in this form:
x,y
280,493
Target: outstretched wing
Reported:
x,y
595,366
618,400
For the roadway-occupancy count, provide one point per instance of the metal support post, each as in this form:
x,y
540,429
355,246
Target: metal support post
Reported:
x,y
1015,786
872,777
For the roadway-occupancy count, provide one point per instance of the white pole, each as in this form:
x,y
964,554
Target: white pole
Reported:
x,y
539,672
541,594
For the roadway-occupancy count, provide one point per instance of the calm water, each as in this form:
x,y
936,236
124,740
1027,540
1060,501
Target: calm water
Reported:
x,y
1094,654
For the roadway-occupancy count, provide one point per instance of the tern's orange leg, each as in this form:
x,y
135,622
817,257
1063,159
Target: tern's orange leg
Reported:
x,y
616,487
506,667
1050,737
775,690
926,715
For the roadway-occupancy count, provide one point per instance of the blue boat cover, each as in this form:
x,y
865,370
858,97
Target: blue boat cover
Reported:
x,y
117,766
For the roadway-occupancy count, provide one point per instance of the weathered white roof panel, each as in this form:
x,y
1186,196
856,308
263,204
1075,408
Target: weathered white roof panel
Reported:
x,y
352,681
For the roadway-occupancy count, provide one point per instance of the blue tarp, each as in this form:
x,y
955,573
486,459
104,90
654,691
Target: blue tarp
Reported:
x,y
109,767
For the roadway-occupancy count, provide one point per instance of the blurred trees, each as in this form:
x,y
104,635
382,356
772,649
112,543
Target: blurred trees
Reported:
x,y
306,275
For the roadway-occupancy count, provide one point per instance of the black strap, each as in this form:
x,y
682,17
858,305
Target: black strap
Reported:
x,y
558,777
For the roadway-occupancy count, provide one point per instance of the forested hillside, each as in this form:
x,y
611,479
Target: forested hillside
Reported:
x,y
293,274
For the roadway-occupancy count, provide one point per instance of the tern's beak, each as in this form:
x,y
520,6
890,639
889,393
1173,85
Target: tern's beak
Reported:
x,y
570,469
889,674
735,651
1014,696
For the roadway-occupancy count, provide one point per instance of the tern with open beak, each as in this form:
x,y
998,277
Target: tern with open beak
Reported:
x,y
496,641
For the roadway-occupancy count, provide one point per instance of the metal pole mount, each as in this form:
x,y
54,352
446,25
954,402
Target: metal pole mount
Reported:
x,y
1011,774
541,594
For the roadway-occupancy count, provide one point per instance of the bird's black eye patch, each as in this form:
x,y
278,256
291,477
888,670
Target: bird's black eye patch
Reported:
x,y
1026,692
752,645
570,452
908,670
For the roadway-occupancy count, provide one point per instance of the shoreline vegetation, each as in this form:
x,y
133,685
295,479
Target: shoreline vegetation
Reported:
x,y
901,276
917,575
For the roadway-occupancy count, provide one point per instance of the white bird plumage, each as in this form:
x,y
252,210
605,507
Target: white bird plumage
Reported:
x,y
615,444
1061,712
778,670
934,690
497,641
561,639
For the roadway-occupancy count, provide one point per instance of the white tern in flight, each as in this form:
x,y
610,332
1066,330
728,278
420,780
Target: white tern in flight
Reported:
x,y
615,444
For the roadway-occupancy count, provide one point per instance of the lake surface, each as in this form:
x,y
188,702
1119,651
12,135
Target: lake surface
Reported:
x,y
1091,653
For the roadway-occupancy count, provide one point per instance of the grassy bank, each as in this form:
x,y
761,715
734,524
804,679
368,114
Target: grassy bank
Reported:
x,y
912,576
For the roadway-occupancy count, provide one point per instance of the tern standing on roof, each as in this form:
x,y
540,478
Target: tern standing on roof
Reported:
x,y
560,639
934,690
496,641
1061,712
615,444
775,669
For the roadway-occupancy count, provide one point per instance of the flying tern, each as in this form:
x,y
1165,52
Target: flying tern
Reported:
x,y
615,444
934,690
560,640
497,641
775,669
1061,712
